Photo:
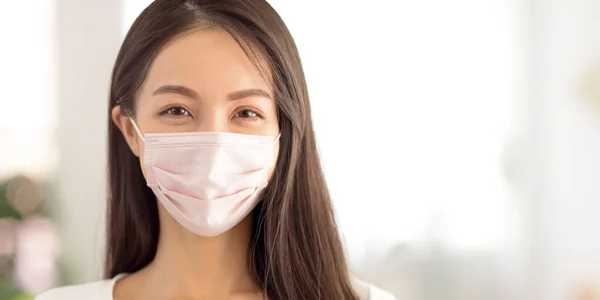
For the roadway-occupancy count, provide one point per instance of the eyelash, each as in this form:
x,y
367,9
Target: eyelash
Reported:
x,y
258,116
177,107
187,113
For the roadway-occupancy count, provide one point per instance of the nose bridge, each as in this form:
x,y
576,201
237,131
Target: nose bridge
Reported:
x,y
212,118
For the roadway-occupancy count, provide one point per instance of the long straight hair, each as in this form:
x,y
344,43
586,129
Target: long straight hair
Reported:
x,y
296,252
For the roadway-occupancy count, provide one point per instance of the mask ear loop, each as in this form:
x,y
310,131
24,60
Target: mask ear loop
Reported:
x,y
137,129
277,138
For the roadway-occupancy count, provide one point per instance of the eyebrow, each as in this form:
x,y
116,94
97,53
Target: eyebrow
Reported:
x,y
248,93
176,89
187,92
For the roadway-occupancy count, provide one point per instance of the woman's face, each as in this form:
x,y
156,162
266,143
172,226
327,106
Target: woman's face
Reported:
x,y
202,81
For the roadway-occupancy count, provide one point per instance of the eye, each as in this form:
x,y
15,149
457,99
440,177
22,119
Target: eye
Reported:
x,y
248,114
176,111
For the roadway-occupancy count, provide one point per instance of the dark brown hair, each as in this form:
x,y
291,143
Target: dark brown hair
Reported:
x,y
296,251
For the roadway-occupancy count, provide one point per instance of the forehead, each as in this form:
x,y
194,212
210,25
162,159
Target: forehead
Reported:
x,y
209,61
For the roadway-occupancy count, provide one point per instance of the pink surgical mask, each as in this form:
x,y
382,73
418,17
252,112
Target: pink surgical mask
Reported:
x,y
208,181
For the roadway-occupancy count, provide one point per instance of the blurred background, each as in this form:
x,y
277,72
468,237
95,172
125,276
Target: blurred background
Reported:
x,y
460,140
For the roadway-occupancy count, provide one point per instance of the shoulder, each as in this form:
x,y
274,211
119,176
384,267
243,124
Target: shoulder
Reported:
x,y
370,292
99,290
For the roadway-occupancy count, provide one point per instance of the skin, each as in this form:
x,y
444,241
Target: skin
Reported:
x,y
223,92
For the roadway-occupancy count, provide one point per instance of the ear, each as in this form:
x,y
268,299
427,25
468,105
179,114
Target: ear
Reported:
x,y
129,133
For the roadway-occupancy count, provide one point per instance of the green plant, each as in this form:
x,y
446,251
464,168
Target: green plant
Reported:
x,y
20,197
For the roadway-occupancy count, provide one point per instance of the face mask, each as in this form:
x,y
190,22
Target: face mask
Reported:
x,y
208,181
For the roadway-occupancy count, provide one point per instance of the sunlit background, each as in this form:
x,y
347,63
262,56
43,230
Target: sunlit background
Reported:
x,y
460,140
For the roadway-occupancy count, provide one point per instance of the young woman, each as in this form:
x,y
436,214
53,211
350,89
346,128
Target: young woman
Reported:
x,y
216,189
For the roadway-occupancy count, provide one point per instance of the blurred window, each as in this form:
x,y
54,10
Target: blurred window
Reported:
x,y
28,84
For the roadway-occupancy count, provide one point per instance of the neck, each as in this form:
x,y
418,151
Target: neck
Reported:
x,y
189,265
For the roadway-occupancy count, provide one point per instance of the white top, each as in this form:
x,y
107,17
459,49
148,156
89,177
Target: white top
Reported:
x,y
103,290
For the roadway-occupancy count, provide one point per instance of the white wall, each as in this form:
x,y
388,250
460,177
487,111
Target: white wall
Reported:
x,y
89,37
412,104
28,84
567,146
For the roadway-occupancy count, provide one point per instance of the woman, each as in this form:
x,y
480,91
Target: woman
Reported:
x,y
216,189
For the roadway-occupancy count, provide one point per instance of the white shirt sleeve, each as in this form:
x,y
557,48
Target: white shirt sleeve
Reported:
x,y
99,290
379,294
367,291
